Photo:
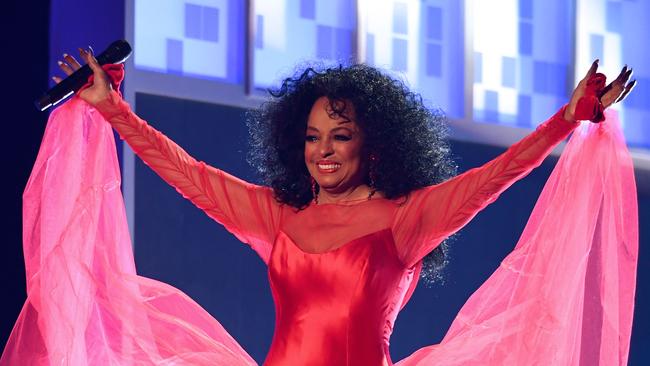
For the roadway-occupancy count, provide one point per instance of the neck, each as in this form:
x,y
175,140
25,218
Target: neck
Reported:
x,y
355,193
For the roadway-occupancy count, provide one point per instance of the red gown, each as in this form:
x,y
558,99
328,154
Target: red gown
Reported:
x,y
339,273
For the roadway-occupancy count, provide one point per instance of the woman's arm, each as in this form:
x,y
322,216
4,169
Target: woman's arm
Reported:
x,y
433,213
248,211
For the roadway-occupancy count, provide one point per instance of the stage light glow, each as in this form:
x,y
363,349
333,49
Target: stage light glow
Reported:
x,y
421,42
196,39
290,32
521,60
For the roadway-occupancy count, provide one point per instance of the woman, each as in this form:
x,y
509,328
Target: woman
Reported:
x,y
356,201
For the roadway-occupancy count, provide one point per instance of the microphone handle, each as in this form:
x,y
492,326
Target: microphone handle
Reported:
x,y
117,52
64,89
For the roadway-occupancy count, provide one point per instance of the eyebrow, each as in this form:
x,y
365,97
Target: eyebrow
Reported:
x,y
333,129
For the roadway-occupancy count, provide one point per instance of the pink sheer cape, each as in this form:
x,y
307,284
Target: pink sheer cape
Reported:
x,y
564,296
85,304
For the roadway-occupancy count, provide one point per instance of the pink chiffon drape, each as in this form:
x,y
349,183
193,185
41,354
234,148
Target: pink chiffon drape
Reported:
x,y
85,304
564,296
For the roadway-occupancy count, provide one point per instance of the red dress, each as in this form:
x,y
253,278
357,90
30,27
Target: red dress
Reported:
x,y
339,273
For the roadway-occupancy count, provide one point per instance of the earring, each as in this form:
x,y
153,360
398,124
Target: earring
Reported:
x,y
314,187
372,175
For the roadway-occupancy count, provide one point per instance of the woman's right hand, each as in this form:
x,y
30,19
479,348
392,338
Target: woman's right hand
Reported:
x,y
101,86
615,92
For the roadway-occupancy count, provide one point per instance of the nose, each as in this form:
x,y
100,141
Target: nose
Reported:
x,y
326,147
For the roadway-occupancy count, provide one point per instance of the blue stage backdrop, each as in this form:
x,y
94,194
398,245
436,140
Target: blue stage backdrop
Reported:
x,y
517,59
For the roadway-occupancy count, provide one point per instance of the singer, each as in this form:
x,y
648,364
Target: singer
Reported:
x,y
360,197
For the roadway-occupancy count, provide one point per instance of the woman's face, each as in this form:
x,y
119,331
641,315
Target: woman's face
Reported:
x,y
333,148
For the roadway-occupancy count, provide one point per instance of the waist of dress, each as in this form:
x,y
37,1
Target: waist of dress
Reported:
x,y
323,342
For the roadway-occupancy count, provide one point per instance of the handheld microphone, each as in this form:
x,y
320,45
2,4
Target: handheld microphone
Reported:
x,y
117,52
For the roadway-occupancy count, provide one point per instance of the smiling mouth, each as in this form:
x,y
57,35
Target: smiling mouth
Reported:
x,y
328,167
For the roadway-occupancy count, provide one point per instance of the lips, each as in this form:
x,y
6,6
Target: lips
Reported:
x,y
327,166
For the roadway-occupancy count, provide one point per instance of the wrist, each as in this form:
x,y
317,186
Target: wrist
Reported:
x,y
565,114
111,106
568,116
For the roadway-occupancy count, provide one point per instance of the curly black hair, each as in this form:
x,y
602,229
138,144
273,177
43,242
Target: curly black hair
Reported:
x,y
408,140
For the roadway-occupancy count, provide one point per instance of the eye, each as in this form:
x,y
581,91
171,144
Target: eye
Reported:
x,y
342,137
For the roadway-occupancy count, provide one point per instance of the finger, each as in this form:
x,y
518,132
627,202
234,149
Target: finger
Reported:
x,y
606,89
98,71
70,60
91,58
83,53
621,75
65,67
92,62
627,91
592,69
56,79
627,76
620,80
617,94
618,83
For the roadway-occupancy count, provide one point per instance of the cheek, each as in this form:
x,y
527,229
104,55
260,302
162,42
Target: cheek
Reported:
x,y
352,154
308,153
309,157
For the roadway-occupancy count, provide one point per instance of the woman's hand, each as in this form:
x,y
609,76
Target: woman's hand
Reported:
x,y
101,86
615,92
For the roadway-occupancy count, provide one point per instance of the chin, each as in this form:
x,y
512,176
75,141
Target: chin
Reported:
x,y
329,183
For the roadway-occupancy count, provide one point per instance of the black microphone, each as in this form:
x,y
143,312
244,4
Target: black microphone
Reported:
x,y
117,52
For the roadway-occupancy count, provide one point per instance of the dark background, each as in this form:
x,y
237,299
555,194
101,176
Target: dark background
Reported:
x,y
24,74
179,245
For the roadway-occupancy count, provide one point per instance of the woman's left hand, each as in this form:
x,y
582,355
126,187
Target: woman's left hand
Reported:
x,y
615,92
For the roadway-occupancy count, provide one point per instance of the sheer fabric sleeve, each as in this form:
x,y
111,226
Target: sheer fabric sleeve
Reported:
x,y
433,213
248,211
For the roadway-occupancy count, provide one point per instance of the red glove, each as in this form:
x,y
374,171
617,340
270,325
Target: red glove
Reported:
x,y
115,73
589,106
